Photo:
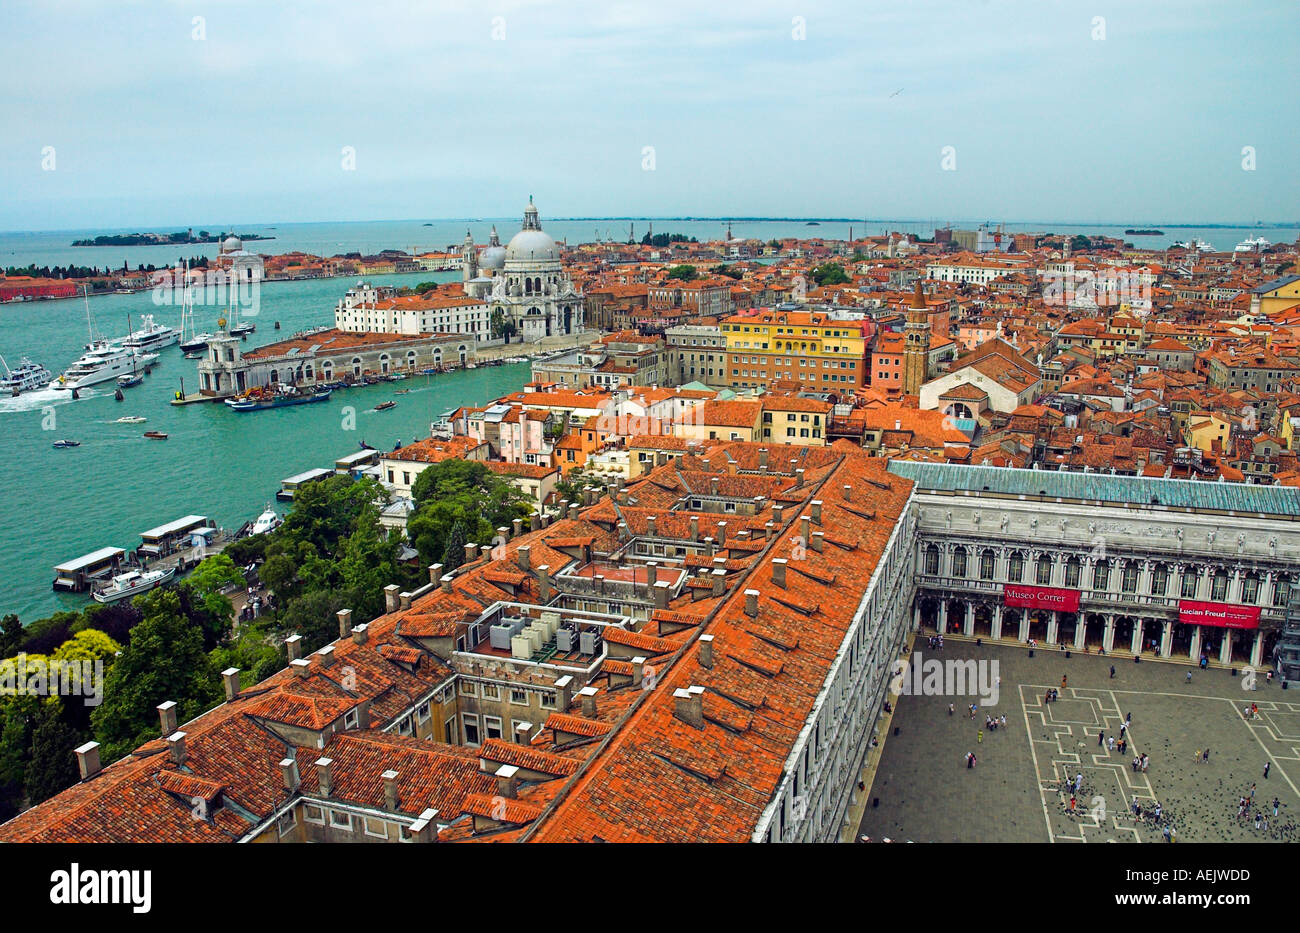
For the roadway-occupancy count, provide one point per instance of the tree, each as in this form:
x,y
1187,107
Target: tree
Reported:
x,y
115,620
831,273
165,661
88,645
11,635
15,744
454,554
280,574
502,326
683,273
52,767
44,635
460,492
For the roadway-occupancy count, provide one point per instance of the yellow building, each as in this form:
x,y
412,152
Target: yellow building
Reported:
x,y
807,346
1278,295
795,420
1203,429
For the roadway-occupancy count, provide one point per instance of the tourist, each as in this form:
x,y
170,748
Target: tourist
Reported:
x,y
1123,746
1101,738
950,709
1206,755
1145,761
1252,792
1064,678
1123,727
1110,744
1275,806
1128,719
1073,801
1165,831
1112,672
1078,782
979,737
1258,819
1267,765
1197,757
1003,719
1189,677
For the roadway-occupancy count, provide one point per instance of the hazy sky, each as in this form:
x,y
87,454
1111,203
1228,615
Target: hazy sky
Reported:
x,y
243,118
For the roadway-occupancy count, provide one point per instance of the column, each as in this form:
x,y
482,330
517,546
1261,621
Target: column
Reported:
x,y
941,623
1195,652
997,623
1257,650
1136,644
968,621
1024,626
1225,647
1052,628
916,613
1108,634
1166,639
1080,630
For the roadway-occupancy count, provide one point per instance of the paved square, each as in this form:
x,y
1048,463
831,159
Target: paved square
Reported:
x,y
1017,790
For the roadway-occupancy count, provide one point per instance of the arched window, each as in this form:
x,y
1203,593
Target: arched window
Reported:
x,y
1281,589
1016,567
1072,569
1128,583
1101,575
1044,574
959,562
1250,589
1159,579
1219,588
932,559
986,564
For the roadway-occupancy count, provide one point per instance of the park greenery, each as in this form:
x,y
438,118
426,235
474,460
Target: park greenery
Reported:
x,y
830,273
683,272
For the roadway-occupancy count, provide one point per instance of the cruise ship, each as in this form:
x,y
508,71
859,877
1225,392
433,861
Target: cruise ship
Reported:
x,y
102,362
26,377
151,336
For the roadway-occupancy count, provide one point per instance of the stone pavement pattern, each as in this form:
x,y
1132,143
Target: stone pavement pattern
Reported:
x,y
1016,792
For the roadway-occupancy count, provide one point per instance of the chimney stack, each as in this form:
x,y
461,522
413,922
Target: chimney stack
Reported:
x,y
848,493
713,485
662,592
563,692
391,799
345,622
87,759
167,716
650,525
690,706
722,533
503,535
425,829
361,634
293,647
778,571
230,677
325,775
326,655
573,510
719,581
544,582
798,477
588,695
638,670
289,774
651,573
518,524
485,552
176,748
471,551
805,528
706,651
695,528
818,541
817,511
446,582
435,571
300,667
508,782
391,597
522,731
522,557
762,458
751,603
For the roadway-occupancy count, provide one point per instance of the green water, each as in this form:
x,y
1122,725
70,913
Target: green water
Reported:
x,y
59,504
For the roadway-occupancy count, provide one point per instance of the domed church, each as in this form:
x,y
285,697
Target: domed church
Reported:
x,y
525,281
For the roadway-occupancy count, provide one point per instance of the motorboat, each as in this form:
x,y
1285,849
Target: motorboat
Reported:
x,y
26,377
127,381
132,583
268,521
59,445
384,406
151,336
155,435
131,419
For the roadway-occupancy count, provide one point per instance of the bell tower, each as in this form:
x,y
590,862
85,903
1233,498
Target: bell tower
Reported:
x,y
916,343
468,258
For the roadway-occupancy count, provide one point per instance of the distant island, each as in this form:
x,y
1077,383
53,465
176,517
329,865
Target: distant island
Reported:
x,y
1144,233
164,239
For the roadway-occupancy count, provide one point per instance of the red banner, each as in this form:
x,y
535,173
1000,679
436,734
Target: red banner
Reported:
x,y
1221,615
1040,597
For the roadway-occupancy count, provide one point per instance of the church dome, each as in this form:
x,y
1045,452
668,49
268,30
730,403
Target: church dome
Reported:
x,y
231,244
494,257
532,246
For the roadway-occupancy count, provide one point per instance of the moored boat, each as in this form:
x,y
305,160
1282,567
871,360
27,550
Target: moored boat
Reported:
x,y
275,397
132,583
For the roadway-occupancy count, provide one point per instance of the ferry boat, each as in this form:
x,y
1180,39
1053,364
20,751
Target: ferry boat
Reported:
x,y
132,583
151,336
268,521
104,361
26,377
278,397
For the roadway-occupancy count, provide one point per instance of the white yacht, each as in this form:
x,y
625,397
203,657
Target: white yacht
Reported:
x,y
132,583
151,336
266,522
26,377
1252,245
104,361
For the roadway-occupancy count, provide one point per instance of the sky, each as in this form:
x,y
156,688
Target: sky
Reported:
x,y
148,113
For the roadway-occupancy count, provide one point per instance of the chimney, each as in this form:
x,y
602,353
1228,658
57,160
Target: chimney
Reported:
x,y
446,582
805,528
503,535
87,759
176,748
345,622
573,510
622,531
719,581
289,774
662,591
762,457
722,533
361,634
798,477
544,582
651,573
650,525
818,541
508,782
778,514
713,485
391,597
708,546
404,599
638,670
471,552
518,524
690,706
485,552
325,775
588,695
300,667
326,655
167,716
522,556
817,511
563,692
848,493
425,829
435,571
293,647
898,425
695,528
230,677
598,581
751,603
778,571
706,651
522,731
391,799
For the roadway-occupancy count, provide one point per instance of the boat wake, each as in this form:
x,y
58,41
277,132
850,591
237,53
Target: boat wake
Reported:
x,y
39,399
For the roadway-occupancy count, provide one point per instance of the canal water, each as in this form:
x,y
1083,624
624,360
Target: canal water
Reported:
x,y
59,504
